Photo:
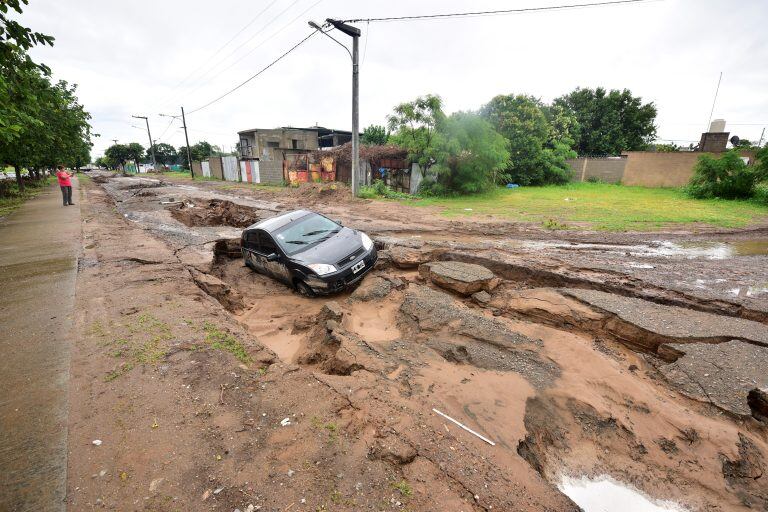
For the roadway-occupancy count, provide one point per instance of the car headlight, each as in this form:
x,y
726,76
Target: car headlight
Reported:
x,y
322,268
367,242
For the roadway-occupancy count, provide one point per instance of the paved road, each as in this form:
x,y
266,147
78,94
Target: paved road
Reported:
x,y
39,245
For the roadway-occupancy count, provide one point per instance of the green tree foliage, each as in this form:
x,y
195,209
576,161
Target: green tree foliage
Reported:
x,y
118,154
198,152
415,126
610,122
135,152
665,148
537,148
374,135
727,177
470,155
41,123
165,154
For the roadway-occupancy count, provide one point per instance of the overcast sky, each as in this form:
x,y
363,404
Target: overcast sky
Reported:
x,y
149,57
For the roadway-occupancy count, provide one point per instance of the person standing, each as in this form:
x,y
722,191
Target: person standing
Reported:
x,y
65,184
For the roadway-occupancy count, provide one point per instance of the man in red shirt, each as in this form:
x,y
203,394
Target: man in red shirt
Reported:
x,y
65,184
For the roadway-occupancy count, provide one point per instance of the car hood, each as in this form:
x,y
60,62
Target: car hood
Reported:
x,y
342,244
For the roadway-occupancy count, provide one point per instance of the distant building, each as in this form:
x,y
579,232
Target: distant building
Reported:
x,y
270,144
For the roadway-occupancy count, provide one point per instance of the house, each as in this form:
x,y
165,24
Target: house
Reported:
x,y
281,143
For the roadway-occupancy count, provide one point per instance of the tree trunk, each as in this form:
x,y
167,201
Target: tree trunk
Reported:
x,y
19,181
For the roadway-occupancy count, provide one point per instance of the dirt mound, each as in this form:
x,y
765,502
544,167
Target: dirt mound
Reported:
x,y
216,212
332,192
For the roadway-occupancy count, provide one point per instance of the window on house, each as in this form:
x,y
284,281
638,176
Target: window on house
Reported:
x,y
271,144
295,143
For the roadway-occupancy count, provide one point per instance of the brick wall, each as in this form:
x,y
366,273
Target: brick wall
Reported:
x,y
609,170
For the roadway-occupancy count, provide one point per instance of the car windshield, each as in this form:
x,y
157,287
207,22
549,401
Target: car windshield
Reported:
x,y
305,232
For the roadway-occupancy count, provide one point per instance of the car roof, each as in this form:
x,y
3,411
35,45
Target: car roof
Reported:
x,y
274,223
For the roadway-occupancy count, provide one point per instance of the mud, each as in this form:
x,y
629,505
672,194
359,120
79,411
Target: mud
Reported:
x,y
566,364
215,212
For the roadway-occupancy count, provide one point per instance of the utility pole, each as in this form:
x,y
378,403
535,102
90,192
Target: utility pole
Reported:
x,y
354,33
760,144
186,138
151,146
115,141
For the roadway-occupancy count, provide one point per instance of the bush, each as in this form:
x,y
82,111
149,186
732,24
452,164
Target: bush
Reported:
x,y
727,177
380,189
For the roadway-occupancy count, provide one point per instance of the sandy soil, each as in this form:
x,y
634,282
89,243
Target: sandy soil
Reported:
x,y
188,364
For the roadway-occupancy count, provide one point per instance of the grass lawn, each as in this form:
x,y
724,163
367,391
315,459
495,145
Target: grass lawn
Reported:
x,y
11,198
602,206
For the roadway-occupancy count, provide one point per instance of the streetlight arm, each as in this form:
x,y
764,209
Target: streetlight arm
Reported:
x,y
320,29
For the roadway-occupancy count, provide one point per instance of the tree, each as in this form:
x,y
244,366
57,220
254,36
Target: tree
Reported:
x,y
41,123
610,122
165,154
415,126
374,135
537,154
470,154
665,148
118,154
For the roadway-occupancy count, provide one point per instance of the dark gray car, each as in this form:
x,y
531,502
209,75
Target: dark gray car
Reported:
x,y
308,251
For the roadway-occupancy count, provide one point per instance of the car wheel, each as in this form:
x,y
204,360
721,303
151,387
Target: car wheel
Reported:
x,y
304,289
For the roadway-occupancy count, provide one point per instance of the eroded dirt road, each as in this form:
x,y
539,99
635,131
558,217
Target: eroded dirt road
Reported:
x,y
211,387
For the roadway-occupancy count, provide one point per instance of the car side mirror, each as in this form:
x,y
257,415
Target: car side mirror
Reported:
x,y
272,257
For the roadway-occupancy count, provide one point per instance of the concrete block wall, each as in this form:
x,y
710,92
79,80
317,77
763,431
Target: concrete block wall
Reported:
x,y
271,171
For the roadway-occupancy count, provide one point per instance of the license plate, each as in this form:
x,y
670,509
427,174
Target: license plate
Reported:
x,y
357,267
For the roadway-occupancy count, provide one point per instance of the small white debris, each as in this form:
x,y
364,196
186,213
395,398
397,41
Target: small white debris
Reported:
x,y
102,472
96,442
285,422
467,209
291,472
249,508
303,500
217,491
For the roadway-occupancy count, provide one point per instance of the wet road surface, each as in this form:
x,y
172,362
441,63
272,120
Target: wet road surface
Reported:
x,y
38,265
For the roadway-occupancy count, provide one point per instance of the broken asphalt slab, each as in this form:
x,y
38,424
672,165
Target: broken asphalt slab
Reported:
x,y
672,321
722,374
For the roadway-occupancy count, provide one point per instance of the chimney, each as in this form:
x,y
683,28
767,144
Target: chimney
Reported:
x,y
715,140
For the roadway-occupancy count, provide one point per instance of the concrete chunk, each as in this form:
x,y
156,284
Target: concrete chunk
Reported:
x,y
463,278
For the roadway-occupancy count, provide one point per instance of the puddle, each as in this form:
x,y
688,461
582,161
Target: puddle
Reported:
x,y
749,291
666,249
604,494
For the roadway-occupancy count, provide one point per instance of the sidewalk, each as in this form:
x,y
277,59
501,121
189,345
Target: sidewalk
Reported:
x,y
39,245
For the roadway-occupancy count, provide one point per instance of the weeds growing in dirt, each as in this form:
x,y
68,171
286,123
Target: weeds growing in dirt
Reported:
x,y
404,487
147,351
553,225
221,340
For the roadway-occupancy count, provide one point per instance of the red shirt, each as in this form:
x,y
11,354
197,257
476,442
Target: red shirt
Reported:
x,y
63,177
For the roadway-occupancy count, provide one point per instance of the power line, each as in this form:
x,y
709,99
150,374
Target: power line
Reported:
x,y
222,61
494,13
255,74
223,46
271,36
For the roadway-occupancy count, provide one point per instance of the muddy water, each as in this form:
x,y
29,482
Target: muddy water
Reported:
x,y
605,494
